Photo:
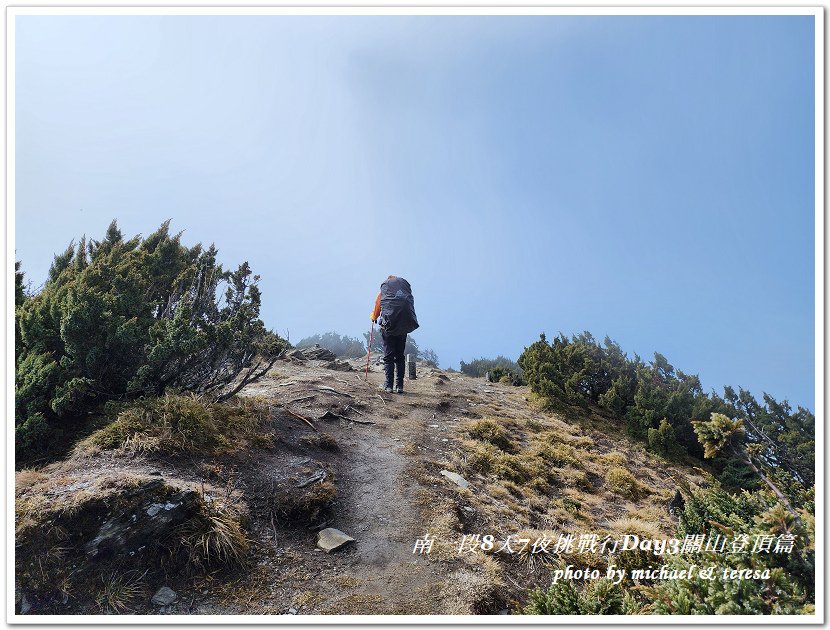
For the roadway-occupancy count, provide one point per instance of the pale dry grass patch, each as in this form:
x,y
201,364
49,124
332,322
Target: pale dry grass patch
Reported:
x,y
26,478
614,458
635,525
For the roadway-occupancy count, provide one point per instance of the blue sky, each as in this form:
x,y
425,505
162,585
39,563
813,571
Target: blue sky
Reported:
x,y
646,178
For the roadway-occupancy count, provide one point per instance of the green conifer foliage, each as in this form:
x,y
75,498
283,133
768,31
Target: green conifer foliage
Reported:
x,y
119,319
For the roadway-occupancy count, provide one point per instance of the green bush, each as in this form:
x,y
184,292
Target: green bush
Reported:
x,y
578,370
498,367
599,597
789,588
119,319
663,440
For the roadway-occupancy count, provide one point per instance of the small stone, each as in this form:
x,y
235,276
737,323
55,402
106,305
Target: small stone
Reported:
x,y
164,596
455,478
433,426
331,539
25,606
292,611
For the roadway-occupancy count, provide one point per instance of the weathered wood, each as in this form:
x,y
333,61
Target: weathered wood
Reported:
x,y
359,421
299,417
320,475
325,388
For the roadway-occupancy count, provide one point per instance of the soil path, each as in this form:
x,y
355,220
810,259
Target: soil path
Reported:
x,y
380,477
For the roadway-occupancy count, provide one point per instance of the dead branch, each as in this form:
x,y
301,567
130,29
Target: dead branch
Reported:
x,y
359,421
325,388
299,417
320,475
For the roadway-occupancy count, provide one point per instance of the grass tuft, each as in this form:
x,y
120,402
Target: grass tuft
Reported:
x,y
119,590
622,482
182,423
215,537
491,432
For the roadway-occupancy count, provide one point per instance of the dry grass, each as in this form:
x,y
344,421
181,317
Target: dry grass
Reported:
x,y
558,455
634,525
622,482
347,581
307,505
183,423
324,441
26,478
493,432
215,537
306,598
567,475
410,449
355,604
614,458
119,590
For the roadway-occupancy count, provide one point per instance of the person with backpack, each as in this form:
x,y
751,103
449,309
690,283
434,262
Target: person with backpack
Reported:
x,y
395,313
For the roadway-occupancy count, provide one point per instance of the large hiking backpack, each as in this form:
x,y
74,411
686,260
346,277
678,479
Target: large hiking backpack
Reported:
x,y
397,307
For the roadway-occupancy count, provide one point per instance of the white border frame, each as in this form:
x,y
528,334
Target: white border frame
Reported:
x,y
341,9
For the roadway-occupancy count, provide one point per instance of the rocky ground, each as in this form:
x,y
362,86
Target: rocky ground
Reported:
x,y
344,455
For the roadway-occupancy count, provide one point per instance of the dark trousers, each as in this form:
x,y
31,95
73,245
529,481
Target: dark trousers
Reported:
x,y
393,356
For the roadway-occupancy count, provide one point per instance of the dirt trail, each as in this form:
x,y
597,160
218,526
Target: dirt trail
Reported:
x,y
379,474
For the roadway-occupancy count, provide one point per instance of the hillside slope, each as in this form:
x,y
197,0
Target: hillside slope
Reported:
x,y
370,465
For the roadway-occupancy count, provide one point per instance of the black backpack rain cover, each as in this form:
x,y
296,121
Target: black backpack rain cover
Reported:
x,y
397,307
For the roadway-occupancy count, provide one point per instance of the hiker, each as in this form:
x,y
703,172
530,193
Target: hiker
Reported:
x,y
395,312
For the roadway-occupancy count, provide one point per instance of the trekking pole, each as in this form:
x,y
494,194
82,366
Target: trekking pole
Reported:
x,y
369,349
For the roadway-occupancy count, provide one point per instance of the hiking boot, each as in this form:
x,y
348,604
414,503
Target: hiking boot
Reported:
x,y
389,370
399,389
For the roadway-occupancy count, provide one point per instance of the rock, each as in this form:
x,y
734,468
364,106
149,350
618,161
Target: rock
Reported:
x,y
25,606
676,504
292,611
164,596
340,366
331,539
455,478
148,517
318,354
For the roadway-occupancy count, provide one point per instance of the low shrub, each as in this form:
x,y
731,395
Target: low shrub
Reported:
x,y
493,433
622,482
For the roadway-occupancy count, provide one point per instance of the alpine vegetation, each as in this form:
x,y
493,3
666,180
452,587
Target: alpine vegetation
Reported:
x,y
120,319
